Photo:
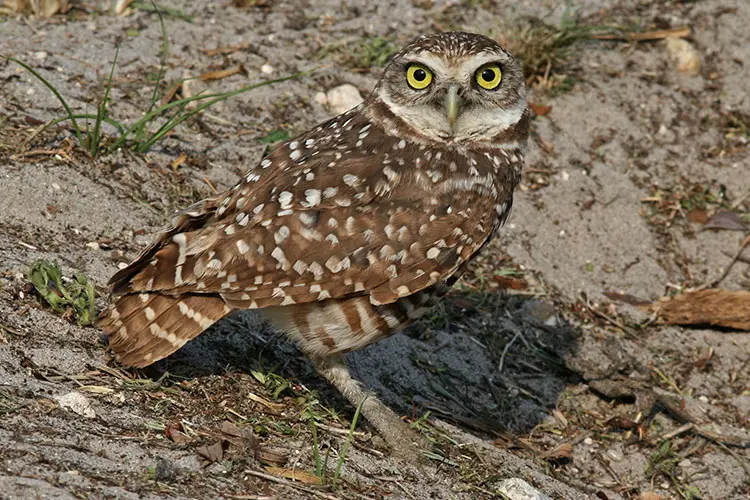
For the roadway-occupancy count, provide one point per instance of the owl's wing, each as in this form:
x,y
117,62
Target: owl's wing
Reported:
x,y
314,231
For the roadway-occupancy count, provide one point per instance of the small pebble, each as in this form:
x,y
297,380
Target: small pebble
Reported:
x,y
343,98
684,463
266,69
588,441
703,399
77,403
615,455
518,489
684,55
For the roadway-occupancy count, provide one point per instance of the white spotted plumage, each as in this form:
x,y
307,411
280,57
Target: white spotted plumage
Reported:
x,y
346,233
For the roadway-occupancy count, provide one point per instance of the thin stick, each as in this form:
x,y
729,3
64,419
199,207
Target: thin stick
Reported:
x,y
290,484
729,266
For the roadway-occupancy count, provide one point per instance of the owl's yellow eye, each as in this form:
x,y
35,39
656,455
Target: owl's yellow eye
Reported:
x,y
418,77
489,76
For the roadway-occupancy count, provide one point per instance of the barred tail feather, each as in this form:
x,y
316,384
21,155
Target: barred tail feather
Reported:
x,y
146,327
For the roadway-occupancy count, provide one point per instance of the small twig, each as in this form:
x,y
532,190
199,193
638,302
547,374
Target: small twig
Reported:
x,y
676,432
646,36
740,460
607,318
729,266
505,351
290,484
341,432
740,201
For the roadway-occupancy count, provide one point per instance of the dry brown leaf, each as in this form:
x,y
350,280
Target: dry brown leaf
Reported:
x,y
508,283
717,307
698,216
213,452
725,220
294,474
176,435
221,73
273,456
650,495
539,109
177,162
565,450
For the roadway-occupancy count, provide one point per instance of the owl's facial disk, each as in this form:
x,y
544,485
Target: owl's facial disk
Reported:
x,y
450,93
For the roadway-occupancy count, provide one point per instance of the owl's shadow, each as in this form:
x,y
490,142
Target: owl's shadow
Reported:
x,y
489,362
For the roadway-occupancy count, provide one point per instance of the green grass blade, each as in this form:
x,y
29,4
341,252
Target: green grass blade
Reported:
x,y
214,98
101,111
164,53
348,442
169,124
316,451
59,96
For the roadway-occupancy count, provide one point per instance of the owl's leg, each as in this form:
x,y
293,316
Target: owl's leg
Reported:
x,y
405,442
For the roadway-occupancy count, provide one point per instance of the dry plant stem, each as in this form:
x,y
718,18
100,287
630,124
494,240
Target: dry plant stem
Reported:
x,y
290,484
729,266
647,36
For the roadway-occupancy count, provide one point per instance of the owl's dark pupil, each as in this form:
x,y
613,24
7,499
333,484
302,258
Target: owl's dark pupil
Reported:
x,y
488,75
420,75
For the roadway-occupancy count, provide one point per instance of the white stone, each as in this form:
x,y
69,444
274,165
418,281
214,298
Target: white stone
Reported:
x,y
77,403
343,98
266,69
518,489
684,55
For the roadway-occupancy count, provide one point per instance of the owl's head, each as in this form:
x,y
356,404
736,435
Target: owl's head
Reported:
x,y
455,87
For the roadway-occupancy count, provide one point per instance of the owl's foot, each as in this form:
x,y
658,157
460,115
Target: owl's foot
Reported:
x,y
407,445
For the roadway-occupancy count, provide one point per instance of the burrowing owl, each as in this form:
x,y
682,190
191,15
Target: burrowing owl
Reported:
x,y
350,231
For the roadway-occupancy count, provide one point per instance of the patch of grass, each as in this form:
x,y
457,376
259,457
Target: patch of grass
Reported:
x,y
274,384
664,462
9,403
546,50
154,125
360,54
274,136
690,200
71,297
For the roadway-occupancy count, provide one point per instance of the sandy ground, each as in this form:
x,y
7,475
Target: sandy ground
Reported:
x,y
541,366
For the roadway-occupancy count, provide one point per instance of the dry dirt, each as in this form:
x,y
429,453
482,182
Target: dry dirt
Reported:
x,y
540,366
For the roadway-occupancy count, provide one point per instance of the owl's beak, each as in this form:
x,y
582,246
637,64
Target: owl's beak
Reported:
x,y
452,103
